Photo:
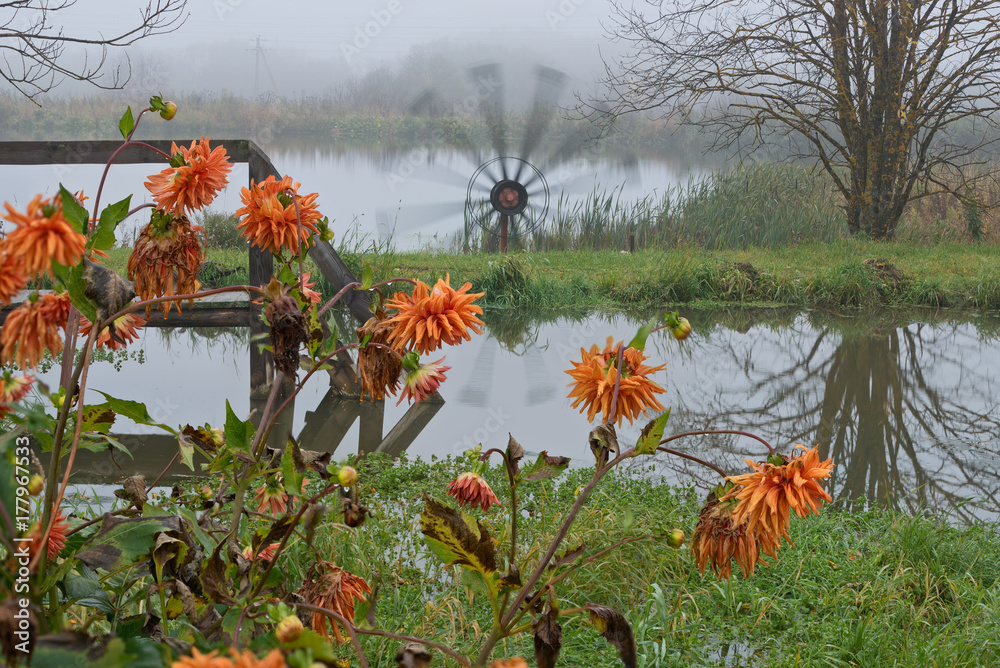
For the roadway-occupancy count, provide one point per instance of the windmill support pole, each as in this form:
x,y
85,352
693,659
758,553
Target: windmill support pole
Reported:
x,y
504,225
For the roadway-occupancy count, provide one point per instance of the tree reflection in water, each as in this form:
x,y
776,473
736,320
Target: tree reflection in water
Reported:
x,y
906,411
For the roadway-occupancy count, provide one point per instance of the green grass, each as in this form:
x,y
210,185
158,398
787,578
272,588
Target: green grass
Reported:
x,y
867,589
830,275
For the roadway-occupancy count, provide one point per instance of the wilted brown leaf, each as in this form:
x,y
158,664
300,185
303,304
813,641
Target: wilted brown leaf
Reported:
x,y
615,629
604,439
134,490
413,655
548,638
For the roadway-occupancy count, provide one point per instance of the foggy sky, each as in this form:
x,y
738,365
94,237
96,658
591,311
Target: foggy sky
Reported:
x,y
309,44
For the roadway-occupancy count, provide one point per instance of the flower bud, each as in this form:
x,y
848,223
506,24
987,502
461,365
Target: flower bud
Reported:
x,y
35,485
206,492
169,112
675,538
682,329
347,476
289,629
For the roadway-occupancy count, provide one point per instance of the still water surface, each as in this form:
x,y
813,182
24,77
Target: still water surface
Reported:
x,y
908,410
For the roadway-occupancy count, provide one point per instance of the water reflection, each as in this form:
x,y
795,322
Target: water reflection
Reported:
x,y
906,411
904,403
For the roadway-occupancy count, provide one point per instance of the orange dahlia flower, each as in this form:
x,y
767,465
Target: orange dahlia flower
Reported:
x,y
471,489
378,368
43,236
247,659
126,327
594,383
331,587
13,277
720,537
430,317
516,662
266,554
12,390
166,259
422,382
193,179
57,537
33,328
271,498
199,660
770,491
269,217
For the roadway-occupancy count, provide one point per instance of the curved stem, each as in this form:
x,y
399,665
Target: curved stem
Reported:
x,y
148,205
163,472
678,453
266,415
343,290
107,167
700,432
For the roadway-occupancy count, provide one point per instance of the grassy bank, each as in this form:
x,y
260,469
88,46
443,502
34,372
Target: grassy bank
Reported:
x,y
844,273
857,589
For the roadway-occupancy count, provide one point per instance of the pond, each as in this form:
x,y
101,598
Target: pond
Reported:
x,y
369,193
906,404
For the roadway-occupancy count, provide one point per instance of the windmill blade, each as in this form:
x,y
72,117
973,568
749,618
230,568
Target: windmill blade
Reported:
x,y
549,84
489,80
476,391
540,384
414,217
430,103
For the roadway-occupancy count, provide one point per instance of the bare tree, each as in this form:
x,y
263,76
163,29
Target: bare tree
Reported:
x,y
33,43
894,99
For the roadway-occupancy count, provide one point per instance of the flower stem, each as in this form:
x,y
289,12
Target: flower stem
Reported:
x,y
699,432
618,381
543,563
678,453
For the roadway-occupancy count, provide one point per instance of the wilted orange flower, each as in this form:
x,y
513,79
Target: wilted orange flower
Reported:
x,y
13,389
43,236
331,587
269,218
767,493
271,498
195,176
33,327
471,489
57,537
423,382
430,317
12,274
125,325
594,383
378,368
199,660
165,260
719,539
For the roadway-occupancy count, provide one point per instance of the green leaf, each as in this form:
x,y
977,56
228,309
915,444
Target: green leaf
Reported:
x,y
367,277
186,447
545,467
126,124
104,235
99,418
320,646
639,340
457,538
73,212
652,434
237,432
135,411
77,288
293,479
124,541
